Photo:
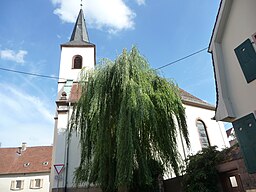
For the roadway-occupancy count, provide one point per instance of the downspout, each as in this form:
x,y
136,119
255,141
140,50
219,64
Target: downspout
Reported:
x,y
221,134
67,152
67,89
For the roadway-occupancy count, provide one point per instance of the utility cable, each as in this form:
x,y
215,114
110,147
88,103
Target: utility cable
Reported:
x,y
190,55
32,74
54,77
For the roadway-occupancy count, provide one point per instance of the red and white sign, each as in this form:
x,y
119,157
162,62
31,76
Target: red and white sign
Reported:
x,y
59,168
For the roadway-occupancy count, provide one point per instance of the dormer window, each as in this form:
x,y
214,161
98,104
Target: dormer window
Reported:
x,y
77,62
26,164
45,163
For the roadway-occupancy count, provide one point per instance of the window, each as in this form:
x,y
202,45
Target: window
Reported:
x,y
26,164
233,181
202,134
17,184
36,183
45,163
77,62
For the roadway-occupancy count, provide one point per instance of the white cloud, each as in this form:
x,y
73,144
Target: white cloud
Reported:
x,y
11,55
140,2
112,15
24,118
27,101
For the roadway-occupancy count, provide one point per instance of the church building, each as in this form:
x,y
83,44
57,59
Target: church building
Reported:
x,y
78,54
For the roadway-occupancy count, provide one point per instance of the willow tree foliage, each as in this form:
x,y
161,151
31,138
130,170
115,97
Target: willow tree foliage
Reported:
x,y
126,117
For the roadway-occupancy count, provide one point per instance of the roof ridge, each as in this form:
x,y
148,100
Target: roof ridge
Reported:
x,y
188,97
26,147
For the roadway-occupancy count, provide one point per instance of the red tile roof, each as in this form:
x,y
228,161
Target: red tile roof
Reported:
x,y
75,93
13,163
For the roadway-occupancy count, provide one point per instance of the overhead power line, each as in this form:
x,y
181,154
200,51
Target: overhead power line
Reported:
x,y
54,77
32,74
190,55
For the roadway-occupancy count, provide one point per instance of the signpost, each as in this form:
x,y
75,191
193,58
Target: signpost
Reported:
x,y
58,168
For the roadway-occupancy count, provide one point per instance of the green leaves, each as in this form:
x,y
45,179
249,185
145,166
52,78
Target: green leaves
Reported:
x,y
126,117
201,173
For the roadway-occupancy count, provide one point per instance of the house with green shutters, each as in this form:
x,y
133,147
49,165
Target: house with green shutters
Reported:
x,y
233,52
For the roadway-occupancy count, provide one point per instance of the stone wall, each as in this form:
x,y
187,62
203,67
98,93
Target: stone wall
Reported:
x,y
248,180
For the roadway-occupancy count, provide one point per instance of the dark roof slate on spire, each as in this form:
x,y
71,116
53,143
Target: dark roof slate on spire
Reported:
x,y
79,35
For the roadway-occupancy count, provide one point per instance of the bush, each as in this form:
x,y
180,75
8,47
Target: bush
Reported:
x,y
201,174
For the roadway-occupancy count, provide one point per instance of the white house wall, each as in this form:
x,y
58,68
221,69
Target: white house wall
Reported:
x,y
5,182
239,26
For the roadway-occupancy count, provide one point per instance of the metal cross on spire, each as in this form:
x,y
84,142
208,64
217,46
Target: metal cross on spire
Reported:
x,y
81,4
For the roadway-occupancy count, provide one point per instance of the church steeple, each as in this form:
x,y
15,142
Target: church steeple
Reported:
x,y
77,57
79,35
80,31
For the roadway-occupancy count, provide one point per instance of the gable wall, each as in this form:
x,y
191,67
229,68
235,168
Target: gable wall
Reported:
x,y
232,84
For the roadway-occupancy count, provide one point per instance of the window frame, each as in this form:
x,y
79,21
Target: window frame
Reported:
x,y
34,184
203,137
14,184
80,64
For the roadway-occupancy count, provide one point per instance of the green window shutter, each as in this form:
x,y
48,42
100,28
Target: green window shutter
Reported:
x,y
246,56
245,129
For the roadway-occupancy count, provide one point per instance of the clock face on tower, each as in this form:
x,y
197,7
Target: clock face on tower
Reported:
x,y
77,62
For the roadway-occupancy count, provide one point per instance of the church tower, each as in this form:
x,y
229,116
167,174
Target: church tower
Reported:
x,y
76,55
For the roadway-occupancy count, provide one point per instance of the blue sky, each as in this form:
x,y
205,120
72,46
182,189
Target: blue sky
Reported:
x,y
32,31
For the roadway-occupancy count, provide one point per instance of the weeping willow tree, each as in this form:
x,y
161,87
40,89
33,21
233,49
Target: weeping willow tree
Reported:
x,y
126,117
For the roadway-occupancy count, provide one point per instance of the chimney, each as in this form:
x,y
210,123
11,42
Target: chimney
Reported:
x,y
23,146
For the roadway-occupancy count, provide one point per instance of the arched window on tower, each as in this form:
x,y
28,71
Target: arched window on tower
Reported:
x,y
77,62
203,136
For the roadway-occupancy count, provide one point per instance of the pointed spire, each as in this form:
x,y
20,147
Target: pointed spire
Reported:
x,y
80,31
79,35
